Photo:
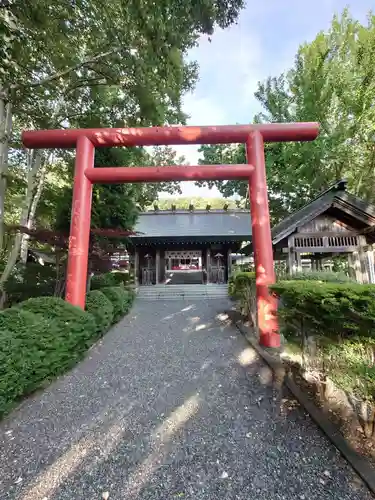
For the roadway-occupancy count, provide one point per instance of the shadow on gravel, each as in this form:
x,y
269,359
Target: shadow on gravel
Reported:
x,y
201,418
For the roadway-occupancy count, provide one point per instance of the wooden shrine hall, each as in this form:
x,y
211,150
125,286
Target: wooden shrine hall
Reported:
x,y
334,223
187,246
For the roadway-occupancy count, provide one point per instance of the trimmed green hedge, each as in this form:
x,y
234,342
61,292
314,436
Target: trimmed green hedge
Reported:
x,y
334,310
40,339
43,337
76,326
239,282
100,281
244,282
24,345
99,305
336,320
325,276
121,300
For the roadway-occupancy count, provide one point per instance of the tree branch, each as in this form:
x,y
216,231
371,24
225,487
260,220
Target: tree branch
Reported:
x,y
66,71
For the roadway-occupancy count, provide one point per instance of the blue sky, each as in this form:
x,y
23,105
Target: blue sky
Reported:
x,y
262,44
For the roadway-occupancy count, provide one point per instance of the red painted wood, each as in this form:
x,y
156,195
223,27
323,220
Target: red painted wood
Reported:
x,y
80,225
109,175
223,134
262,244
85,140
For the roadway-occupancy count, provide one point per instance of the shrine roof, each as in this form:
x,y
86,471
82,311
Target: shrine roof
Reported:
x,y
336,200
226,225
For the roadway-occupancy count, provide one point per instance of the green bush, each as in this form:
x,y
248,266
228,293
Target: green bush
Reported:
x,y
39,339
129,298
350,365
23,349
333,310
325,276
30,280
110,279
239,282
43,337
122,278
241,287
76,327
101,308
121,299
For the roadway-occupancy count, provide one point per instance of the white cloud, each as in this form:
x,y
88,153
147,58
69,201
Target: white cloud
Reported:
x,y
229,72
262,44
202,111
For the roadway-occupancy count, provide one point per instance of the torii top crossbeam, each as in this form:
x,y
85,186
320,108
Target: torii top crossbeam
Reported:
x,y
165,136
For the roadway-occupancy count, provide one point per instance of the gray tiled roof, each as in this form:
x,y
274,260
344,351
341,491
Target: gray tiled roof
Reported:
x,y
231,224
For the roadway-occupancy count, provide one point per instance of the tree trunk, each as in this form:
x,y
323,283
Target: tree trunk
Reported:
x,y
36,194
5,132
34,162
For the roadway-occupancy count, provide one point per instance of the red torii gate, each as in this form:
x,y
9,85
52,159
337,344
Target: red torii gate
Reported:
x,y
86,140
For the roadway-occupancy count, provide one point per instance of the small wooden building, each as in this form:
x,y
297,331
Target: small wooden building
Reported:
x,y
187,246
334,223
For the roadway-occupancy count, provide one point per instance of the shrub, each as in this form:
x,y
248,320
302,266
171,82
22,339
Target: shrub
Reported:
x,y
325,276
110,279
120,299
36,347
239,282
333,310
242,287
129,296
23,348
30,280
350,365
122,278
101,308
100,281
76,327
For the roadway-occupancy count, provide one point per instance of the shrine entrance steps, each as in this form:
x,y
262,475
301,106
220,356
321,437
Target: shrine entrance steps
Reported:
x,y
178,292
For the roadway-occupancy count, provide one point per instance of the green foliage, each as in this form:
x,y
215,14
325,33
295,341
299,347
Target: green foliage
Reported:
x,y
39,340
340,318
351,366
241,286
43,337
78,327
101,308
325,276
117,205
31,280
332,310
121,300
109,279
198,202
24,344
239,282
122,278
79,76
332,82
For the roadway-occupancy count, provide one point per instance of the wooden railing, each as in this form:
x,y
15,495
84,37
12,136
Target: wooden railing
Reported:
x,y
325,242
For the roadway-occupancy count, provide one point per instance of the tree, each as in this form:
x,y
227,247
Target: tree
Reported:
x,y
92,63
198,203
116,206
332,82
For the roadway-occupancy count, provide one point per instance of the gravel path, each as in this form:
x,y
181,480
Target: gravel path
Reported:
x,y
171,404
